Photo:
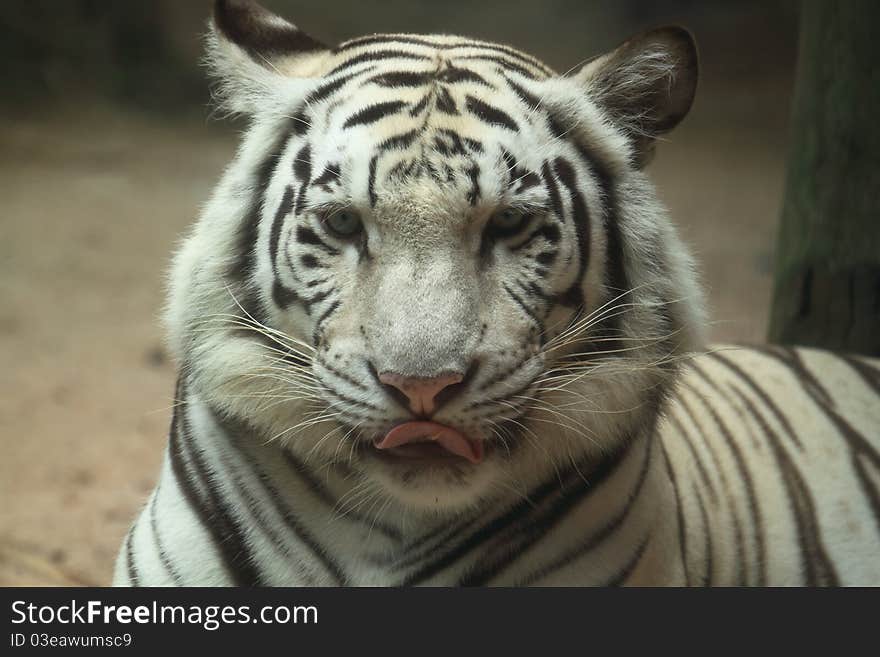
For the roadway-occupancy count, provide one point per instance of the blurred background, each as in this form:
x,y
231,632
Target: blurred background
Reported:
x,y
108,148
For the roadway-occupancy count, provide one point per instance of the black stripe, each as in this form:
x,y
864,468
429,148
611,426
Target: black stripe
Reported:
x,y
391,39
574,295
708,577
283,210
868,485
507,395
473,144
701,469
819,568
302,171
458,45
310,262
869,374
535,291
616,275
417,109
399,141
259,520
317,332
504,374
602,534
456,144
332,86
133,576
531,101
802,375
157,541
629,567
729,496
318,297
445,102
539,526
371,184
313,483
322,493
528,311
511,407
341,375
211,510
493,528
351,401
509,160
373,113
503,62
330,174
742,466
858,444
282,295
234,437
376,56
425,547
522,57
403,169
527,181
300,123
473,174
455,74
549,232
679,511
762,395
400,79
553,192
201,509
305,235
489,114
230,533
244,264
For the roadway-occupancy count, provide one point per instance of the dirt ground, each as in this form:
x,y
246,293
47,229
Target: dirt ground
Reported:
x,y
92,207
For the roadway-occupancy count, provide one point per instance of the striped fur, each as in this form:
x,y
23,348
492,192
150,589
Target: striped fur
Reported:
x,y
765,470
613,455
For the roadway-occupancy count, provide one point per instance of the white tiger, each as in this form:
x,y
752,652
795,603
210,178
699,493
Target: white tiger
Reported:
x,y
434,327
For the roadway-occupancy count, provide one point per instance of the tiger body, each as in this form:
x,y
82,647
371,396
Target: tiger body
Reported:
x,y
734,487
435,328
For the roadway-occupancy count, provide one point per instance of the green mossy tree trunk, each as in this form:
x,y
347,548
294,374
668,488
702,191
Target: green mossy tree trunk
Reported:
x,y
827,288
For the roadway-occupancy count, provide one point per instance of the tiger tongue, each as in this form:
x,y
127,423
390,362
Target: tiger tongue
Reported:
x,y
451,440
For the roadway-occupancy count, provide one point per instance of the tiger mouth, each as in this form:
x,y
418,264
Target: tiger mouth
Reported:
x,y
421,450
429,441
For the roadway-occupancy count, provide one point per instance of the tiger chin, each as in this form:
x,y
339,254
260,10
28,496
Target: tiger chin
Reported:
x,y
434,327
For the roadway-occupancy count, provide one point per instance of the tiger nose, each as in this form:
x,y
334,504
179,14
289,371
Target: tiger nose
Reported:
x,y
423,394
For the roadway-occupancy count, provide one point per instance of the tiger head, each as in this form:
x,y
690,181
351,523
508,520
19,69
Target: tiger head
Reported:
x,y
434,260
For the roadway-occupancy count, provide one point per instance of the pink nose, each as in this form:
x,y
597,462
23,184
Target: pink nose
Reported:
x,y
422,393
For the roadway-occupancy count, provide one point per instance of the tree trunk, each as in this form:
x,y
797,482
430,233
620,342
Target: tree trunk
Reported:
x,y
827,287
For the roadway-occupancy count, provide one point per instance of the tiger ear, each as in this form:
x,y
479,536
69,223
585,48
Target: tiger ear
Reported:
x,y
250,49
646,85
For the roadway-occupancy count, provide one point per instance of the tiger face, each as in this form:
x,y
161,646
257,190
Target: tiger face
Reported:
x,y
435,262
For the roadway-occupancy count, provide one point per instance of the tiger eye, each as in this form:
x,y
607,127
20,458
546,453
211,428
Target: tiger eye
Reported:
x,y
508,221
344,223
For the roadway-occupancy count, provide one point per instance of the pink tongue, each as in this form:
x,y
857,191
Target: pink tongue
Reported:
x,y
420,432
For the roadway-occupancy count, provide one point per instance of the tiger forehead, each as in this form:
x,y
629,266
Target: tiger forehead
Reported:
x,y
440,49
440,125
421,205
